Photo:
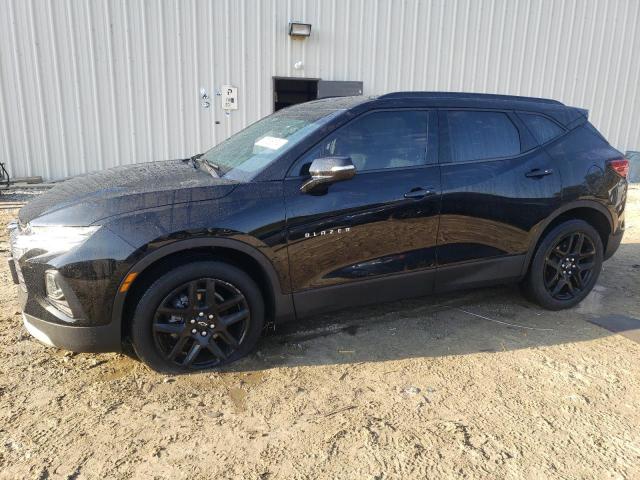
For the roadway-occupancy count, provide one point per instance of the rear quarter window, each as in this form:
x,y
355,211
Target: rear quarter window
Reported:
x,y
542,129
481,135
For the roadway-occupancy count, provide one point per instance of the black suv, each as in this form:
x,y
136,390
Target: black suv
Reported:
x,y
332,203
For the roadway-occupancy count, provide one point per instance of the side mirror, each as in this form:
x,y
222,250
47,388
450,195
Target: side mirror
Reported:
x,y
329,170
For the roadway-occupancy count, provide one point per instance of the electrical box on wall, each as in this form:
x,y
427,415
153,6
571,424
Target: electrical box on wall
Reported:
x,y
229,96
336,88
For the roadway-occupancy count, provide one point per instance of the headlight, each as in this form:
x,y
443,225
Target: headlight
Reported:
x,y
53,289
54,239
55,293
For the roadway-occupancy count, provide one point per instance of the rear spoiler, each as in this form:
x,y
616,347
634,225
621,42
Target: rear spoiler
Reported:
x,y
583,111
578,116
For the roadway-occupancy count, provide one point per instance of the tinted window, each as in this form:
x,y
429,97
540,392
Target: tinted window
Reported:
x,y
479,135
542,128
375,141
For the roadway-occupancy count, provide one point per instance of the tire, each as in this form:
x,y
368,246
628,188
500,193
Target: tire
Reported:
x,y
563,270
197,316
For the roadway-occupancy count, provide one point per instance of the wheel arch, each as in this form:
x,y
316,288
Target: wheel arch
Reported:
x,y
592,212
278,305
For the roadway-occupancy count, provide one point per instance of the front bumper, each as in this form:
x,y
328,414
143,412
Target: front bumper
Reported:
x,y
89,277
102,338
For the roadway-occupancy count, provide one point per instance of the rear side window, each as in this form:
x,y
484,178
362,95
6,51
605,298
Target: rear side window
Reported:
x,y
542,128
481,135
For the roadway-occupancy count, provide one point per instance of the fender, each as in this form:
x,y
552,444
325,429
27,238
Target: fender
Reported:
x,y
540,228
283,303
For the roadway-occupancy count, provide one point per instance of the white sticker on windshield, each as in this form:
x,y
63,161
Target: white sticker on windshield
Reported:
x,y
272,143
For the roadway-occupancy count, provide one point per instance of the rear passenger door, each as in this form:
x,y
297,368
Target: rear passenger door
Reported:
x,y
498,185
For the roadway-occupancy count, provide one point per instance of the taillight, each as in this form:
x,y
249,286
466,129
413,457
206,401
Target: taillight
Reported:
x,y
620,166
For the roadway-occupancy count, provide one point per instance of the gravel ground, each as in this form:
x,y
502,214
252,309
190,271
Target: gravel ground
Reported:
x,y
472,384
17,194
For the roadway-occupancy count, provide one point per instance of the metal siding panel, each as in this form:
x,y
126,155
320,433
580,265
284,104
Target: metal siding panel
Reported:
x,y
88,85
120,82
621,41
606,69
85,97
4,114
631,99
21,131
40,107
486,53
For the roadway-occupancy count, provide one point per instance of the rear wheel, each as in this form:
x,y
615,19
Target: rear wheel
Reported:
x,y
198,316
566,265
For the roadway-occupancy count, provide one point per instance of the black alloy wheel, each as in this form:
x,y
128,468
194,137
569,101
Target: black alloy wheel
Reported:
x,y
201,323
197,316
565,266
569,266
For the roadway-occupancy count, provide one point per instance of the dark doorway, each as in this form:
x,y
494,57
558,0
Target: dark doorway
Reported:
x,y
289,91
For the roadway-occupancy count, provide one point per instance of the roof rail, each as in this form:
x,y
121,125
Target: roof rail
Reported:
x,y
461,95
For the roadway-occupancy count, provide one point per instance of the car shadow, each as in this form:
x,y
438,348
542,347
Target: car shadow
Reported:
x,y
477,321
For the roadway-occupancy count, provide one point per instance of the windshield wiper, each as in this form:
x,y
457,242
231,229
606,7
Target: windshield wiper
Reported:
x,y
193,160
212,167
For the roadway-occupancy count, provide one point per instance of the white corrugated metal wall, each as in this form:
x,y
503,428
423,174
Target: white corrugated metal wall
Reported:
x,y
87,84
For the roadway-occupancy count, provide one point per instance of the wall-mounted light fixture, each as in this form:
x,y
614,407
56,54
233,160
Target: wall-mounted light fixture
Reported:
x,y
297,29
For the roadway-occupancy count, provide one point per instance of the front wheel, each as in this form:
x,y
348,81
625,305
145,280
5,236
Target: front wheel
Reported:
x,y
198,316
565,266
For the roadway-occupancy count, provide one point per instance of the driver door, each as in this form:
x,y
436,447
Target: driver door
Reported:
x,y
372,237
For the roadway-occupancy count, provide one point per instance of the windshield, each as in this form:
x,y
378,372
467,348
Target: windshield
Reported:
x,y
245,154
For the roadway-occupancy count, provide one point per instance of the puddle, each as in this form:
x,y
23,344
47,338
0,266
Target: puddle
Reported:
x,y
238,386
594,302
626,326
238,397
305,336
117,368
252,378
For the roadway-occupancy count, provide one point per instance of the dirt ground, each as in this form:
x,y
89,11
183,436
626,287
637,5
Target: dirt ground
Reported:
x,y
477,384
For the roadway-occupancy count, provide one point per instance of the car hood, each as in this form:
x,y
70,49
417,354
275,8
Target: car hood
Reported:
x,y
87,199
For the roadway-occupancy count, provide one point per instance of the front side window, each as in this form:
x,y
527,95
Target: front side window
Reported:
x,y
481,135
542,129
248,152
379,140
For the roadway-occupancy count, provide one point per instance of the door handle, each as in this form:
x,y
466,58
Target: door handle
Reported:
x,y
419,192
538,172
